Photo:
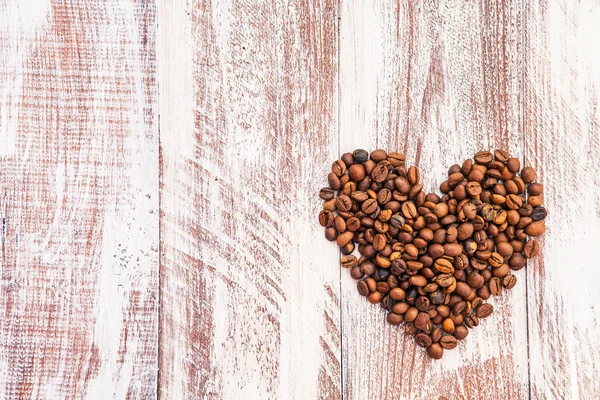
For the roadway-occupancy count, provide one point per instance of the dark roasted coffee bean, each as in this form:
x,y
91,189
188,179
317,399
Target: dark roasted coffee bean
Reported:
x,y
360,156
363,289
538,213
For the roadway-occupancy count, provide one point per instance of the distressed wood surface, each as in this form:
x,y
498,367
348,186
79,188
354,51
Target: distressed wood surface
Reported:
x,y
249,287
438,81
79,200
562,140
216,224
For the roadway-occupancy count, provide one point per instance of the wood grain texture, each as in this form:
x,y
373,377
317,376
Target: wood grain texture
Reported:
x,y
79,200
562,131
249,287
438,81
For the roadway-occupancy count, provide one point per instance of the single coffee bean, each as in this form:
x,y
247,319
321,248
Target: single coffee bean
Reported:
x,y
362,287
448,326
538,213
422,303
357,172
421,320
495,286
483,157
338,168
360,156
349,261
509,281
369,206
409,210
356,273
528,174
535,189
379,173
536,228
501,271
444,266
513,202
347,158
485,310
423,340
326,193
411,314
397,294
378,155
330,233
513,164
448,342
501,156
418,280
414,175
461,332
435,351
452,249
504,249
495,260
532,248
394,319
347,249
374,297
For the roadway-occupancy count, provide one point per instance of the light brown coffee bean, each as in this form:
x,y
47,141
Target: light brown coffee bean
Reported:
x,y
531,249
483,157
509,281
414,175
495,286
528,174
394,319
536,228
349,261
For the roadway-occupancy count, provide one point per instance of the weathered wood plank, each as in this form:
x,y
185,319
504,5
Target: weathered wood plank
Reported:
x,y
249,287
79,200
562,128
439,81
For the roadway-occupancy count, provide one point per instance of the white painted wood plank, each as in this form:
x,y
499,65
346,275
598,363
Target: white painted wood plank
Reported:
x,y
562,127
249,286
79,200
438,81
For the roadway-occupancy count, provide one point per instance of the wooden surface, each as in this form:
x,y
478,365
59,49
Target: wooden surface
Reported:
x,y
79,200
159,170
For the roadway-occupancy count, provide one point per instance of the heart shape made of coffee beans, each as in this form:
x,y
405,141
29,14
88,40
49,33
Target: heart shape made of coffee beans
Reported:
x,y
432,262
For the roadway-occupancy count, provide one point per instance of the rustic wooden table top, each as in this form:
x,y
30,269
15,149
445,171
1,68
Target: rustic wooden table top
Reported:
x,y
159,168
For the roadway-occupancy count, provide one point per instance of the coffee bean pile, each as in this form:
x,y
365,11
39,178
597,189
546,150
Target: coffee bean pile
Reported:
x,y
432,262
